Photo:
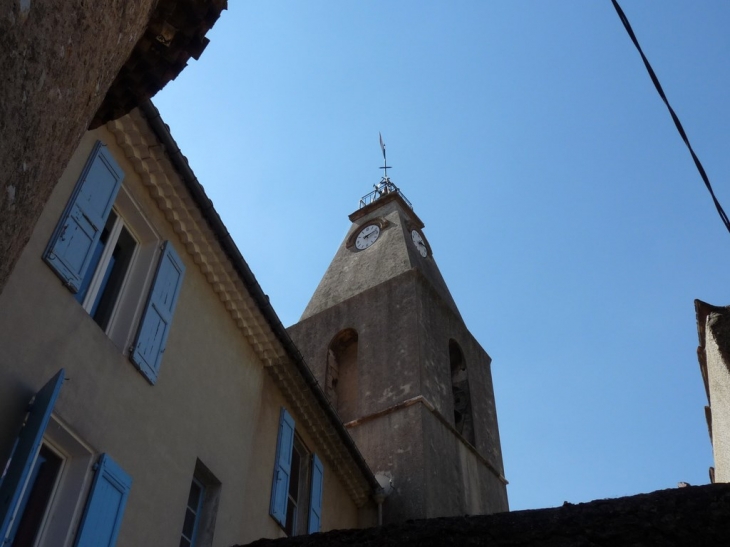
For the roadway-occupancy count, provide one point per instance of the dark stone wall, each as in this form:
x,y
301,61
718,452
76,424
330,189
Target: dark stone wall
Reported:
x,y
457,481
395,444
438,325
58,58
385,319
404,326
696,515
66,65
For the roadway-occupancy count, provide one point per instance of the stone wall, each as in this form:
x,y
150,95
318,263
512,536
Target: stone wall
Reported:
x,y
66,64
58,58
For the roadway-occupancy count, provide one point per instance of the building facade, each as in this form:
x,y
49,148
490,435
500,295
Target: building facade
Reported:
x,y
169,405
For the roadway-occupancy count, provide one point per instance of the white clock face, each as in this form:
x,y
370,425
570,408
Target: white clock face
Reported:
x,y
367,236
418,242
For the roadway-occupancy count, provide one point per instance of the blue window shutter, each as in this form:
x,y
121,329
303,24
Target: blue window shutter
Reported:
x,y
315,501
282,468
157,316
25,450
72,245
102,518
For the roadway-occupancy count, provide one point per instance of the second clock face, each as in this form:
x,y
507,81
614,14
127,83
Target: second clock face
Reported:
x,y
367,236
419,243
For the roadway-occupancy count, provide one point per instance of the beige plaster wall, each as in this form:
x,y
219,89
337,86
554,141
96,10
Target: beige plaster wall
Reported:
x,y
213,400
337,510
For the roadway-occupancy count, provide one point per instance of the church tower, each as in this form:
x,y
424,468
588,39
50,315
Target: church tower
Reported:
x,y
385,339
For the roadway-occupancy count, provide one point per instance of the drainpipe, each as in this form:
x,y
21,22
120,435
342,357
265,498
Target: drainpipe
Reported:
x,y
386,488
379,499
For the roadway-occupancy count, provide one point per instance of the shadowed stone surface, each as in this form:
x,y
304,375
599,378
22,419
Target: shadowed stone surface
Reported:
x,y
696,515
58,61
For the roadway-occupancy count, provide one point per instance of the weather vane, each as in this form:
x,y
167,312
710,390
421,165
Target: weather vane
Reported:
x,y
385,186
385,162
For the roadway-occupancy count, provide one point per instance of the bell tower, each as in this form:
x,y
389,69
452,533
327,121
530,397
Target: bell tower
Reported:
x,y
385,339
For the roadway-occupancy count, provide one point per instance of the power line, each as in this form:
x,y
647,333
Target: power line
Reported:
x,y
677,123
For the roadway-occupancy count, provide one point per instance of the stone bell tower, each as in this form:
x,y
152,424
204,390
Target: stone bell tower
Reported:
x,y
385,339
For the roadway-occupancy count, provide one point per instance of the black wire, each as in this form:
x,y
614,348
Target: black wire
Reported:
x,y
677,123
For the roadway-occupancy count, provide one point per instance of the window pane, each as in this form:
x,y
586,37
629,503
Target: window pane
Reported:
x,y
35,500
294,480
291,517
194,496
94,264
189,525
192,513
114,275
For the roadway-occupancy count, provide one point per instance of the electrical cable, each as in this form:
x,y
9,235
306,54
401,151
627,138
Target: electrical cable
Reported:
x,y
677,123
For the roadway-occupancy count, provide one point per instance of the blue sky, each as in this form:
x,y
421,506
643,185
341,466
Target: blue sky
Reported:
x,y
564,212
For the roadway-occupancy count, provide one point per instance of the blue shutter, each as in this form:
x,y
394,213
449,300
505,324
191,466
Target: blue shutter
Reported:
x,y
25,450
157,316
315,499
282,468
102,518
72,246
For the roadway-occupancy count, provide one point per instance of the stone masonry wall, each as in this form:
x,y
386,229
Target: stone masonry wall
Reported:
x,y
57,60
67,65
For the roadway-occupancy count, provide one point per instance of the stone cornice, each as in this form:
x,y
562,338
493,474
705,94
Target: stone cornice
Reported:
x,y
157,174
163,182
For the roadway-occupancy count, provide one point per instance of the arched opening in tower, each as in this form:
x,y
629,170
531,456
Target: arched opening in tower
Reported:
x,y
341,380
463,420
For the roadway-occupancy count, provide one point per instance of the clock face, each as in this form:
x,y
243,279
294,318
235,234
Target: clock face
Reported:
x,y
419,243
367,236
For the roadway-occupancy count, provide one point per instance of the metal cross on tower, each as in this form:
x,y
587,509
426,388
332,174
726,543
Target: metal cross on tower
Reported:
x,y
385,162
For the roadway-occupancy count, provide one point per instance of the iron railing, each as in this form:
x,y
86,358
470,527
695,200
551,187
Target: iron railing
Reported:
x,y
383,188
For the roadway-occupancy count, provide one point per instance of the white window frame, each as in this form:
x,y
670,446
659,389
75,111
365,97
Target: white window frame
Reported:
x,y
304,490
197,511
128,307
209,501
64,507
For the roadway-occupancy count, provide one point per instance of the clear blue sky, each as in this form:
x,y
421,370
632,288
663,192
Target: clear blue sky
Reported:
x,y
561,205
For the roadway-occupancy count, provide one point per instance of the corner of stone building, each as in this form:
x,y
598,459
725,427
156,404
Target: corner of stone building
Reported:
x,y
60,61
718,321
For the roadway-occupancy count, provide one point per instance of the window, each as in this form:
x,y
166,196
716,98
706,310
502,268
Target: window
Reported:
x,y
113,260
43,481
192,514
200,510
108,269
296,505
296,492
34,502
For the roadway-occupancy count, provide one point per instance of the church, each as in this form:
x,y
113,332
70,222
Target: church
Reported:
x,y
411,384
